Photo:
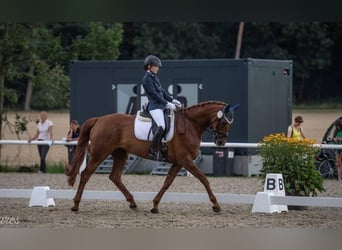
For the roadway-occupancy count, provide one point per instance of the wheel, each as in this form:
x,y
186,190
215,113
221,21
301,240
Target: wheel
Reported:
x,y
328,169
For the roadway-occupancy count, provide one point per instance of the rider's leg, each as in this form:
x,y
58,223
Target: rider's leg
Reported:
x,y
158,117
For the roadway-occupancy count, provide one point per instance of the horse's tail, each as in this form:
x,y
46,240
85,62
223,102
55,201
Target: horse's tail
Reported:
x,y
81,149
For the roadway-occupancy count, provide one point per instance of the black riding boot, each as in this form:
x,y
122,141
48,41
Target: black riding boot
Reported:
x,y
153,154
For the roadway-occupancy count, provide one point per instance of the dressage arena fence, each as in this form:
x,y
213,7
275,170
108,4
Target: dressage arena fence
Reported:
x,y
263,202
272,199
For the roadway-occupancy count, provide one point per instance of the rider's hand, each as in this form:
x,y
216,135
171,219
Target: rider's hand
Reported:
x,y
171,106
177,103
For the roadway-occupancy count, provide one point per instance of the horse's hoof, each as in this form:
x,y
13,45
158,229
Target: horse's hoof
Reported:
x,y
133,206
74,209
216,209
154,211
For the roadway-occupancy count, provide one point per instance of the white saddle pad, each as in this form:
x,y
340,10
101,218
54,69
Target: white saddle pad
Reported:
x,y
142,126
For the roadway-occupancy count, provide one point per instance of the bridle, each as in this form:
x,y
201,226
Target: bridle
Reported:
x,y
224,115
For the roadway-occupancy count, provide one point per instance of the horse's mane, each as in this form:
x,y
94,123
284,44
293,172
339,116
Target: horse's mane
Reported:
x,y
201,104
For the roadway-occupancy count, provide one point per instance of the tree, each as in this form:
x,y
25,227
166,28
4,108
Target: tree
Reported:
x,y
308,44
11,47
38,46
239,40
51,87
175,41
46,49
101,43
22,48
43,49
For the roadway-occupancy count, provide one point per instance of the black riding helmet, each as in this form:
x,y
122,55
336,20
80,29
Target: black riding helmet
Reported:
x,y
152,60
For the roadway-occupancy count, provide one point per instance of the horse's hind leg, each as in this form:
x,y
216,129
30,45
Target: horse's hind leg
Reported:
x,y
85,175
195,171
119,159
174,169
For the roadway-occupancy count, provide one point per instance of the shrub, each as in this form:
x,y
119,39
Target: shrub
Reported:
x,y
295,160
55,168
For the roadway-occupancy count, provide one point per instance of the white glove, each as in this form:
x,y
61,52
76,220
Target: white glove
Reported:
x,y
171,106
177,103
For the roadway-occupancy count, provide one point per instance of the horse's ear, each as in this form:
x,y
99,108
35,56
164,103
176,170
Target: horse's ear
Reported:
x,y
226,109
236,106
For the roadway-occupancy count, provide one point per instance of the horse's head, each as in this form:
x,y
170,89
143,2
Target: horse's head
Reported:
x,y
224,119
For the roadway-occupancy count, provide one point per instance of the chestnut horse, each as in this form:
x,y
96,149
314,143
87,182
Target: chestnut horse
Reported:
x,y
113,135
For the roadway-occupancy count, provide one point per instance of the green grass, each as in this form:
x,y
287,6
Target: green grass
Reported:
x,y
55,168
9,169
51,168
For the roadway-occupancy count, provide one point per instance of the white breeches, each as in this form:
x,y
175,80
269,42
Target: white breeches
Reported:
x,y
158,117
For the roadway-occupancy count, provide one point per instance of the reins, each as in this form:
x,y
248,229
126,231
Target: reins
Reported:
x,y
210,129
213,131
183,119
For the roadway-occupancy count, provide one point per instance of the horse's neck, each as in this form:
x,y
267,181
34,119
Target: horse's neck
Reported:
x,y
200,116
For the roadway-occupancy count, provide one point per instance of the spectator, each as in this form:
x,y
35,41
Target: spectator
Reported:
x,y
43,133
338,152
295,130
73,135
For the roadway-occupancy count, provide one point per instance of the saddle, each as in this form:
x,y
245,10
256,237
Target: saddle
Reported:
x,y
146,116
145,126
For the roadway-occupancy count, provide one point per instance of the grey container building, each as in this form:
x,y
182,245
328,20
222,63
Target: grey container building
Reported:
x,y
262,87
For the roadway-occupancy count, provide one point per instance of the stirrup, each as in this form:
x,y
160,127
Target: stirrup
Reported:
x,y
156,156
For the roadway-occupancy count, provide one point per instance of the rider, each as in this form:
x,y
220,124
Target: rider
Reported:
x,y
158,99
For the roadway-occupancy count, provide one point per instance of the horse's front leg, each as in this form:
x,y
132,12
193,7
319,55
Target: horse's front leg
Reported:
x,y
195,171
119,159
174,169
